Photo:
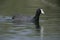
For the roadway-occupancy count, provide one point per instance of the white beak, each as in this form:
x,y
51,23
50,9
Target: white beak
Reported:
x,y
42,11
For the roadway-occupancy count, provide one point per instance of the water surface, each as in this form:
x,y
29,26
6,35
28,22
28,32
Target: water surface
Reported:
x,y
49,22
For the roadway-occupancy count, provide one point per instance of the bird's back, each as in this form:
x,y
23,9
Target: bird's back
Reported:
x,y
23,19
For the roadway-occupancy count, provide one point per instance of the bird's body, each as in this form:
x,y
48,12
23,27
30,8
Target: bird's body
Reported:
x,y
23,19
29,19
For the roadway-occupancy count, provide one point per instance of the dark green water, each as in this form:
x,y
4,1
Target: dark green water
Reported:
x,y
50,21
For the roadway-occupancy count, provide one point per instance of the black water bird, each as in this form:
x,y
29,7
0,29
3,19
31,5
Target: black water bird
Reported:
x,y
34,19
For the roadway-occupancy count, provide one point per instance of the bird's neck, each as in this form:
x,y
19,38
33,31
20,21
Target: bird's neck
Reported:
x,y
36,17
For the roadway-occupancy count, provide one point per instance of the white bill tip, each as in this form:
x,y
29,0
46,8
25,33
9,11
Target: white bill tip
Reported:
x,y
42,11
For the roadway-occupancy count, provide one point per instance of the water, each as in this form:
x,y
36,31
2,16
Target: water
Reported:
x,y
49,22
11,31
